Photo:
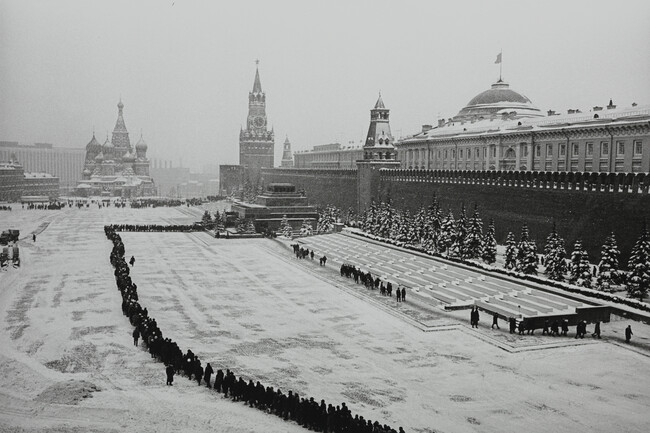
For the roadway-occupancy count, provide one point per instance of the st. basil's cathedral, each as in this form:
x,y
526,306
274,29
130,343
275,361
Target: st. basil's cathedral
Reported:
x,y
115,168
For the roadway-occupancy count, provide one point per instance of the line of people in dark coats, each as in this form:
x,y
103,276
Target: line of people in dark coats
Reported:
x,y
306,412
196,227
366,279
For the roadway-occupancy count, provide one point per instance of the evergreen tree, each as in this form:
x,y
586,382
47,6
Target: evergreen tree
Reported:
x,y
306,229
249,227
219,221
580,269
489,251
555,256
419,223
285,227
639,267
461,231
608,267
433,222
448,236
526,261
206,220
240,225
326,219
474,240
385,221
511,252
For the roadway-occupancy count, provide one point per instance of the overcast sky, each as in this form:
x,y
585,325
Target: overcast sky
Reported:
x,y
184,68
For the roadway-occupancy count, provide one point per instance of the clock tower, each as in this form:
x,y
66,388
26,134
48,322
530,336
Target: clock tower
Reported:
x,y
256,142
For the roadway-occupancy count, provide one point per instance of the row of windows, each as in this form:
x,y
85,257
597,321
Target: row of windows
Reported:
x,y
637,151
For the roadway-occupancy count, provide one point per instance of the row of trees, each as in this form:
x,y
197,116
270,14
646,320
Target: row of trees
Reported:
x,y
440,232
433,230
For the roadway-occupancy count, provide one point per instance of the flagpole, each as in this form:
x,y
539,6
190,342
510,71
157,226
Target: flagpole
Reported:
x,y
500,64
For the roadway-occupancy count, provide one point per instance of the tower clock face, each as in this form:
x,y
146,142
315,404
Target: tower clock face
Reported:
x,y
258,122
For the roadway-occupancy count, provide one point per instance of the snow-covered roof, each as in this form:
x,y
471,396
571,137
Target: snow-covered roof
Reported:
x,y
501,125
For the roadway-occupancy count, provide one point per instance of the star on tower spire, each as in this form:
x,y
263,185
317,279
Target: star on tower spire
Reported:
x,y
257,86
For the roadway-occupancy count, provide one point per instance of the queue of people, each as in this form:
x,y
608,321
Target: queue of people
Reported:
x,y
307,412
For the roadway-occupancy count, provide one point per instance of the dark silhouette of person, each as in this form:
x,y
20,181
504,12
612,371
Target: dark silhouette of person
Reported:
x,y
208,374
170,374
403,294
136,335
34,237
596,330
628,333
495,321
132,261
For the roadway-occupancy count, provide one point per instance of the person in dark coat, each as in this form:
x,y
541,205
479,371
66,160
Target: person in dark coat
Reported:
x,y
628,333
136,335
198,372
403,294
495,321
513,325
208,374
132,261
170,374
596,330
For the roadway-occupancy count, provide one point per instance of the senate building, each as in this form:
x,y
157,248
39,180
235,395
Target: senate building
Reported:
x,y
501,129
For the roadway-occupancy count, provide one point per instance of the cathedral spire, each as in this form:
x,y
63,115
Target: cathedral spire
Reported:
x,y
120,133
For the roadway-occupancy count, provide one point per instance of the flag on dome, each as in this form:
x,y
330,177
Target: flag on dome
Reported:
x,y
498,60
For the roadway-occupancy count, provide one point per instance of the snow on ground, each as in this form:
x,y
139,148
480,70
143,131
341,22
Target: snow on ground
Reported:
x,y
69,364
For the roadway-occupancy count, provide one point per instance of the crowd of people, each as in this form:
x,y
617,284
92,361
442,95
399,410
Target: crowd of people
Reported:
x,y
307,412
366,279
3,207
196,227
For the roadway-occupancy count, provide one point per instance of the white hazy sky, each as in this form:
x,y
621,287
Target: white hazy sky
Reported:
x,y
184,68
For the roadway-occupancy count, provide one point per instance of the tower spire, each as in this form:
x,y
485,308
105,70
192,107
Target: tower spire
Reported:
x,y
257,86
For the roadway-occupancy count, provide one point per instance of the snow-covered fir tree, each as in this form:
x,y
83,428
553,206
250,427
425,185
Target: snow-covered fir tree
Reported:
x,y
240,225
474,240
326,219
489,251
447,237
385,221
555,256
249,227
432,225
419,223
461,233
638,281
206,219
285,227
219,221
580,269
511,252
526,261
608,273
369,217
306,229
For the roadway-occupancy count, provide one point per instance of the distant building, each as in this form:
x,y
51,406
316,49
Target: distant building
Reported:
x,y
287,160
328,156
64,163
169,180
16,184
500,129
115,168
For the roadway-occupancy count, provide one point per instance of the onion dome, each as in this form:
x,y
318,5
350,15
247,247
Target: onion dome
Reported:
x,y
93,145
107,144
141,145
498,98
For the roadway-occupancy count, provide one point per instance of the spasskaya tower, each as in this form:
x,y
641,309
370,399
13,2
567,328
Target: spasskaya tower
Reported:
x,y
256,142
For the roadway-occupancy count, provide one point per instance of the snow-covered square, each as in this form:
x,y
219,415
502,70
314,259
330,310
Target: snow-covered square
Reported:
x,y
69,363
